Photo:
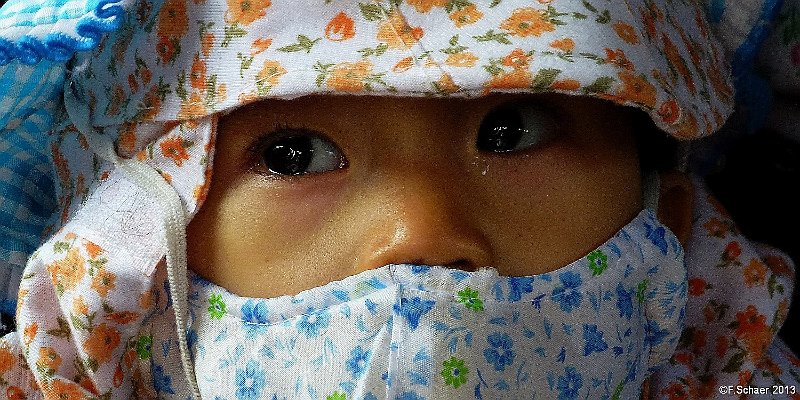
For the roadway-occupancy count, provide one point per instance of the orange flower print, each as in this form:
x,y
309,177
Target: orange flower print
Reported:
x,y
15,393
752,329
127,139
626,32
132,83
197,75
151,104
172,19
7,360
464,59
86,383
349,77
206,42
755,273
101,343
269,75
424,6
103,281
65,390
397,34
676,391
68,272
79,306
778,265
48,361
618,58
446,85
260,45
117,98
245,12
201,191
30,333
566,45
721,346
669,111
676,60
122,317
732,251
637,89
465,16
340,28
404,64
527,22
166,50
175,148
517,59
697,286
193,107
519,78
566,84
92,249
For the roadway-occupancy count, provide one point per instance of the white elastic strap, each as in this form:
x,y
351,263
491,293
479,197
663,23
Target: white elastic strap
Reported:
x,y
174,218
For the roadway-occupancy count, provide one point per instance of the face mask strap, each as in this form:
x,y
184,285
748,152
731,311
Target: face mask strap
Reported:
x,y
651,188
174,221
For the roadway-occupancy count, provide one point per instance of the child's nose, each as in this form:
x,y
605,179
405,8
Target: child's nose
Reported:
x,y
423,220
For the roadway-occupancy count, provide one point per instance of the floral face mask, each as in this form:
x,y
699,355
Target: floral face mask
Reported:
x,y
594,328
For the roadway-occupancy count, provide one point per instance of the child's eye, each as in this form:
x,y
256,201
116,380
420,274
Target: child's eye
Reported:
x,y
294,152
515,127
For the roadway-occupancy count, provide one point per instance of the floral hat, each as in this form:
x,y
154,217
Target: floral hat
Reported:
x,y
186,60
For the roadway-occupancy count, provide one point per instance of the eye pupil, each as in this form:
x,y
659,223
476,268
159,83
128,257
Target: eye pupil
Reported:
x,y
500,131
289,156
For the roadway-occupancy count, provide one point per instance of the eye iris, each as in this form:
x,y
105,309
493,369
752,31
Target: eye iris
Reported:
x,y
289,156
500,131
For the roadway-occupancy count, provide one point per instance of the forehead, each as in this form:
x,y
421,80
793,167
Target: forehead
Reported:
x,y
347,108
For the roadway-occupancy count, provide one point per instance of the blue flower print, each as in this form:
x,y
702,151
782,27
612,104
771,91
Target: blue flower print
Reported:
x,y
358,361
312,323
593,340
656,235
519,286
413,309
569,384
254,318
624,301
654,335
409,396
161,381
500,353
249,381
567,294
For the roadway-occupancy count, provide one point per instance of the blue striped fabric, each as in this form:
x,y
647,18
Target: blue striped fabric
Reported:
x,y
33,54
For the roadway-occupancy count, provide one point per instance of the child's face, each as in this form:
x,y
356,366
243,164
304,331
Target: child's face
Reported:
x,y
411,180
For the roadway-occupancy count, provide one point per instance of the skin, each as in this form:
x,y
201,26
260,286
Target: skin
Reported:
x,y
415,190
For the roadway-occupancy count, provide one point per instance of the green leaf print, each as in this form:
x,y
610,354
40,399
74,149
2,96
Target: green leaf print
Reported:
x,y
216,306
454,372
303,43
544,78
143,346
640,290
337,396
231,32
491,35
598,262
370,11
600,85
469,298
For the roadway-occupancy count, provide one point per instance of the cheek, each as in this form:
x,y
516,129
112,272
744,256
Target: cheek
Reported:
x,y
550,207
280,219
